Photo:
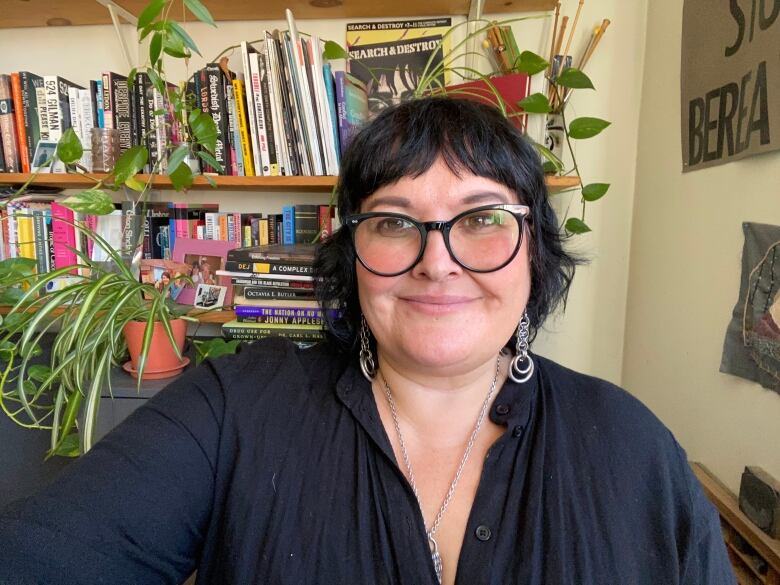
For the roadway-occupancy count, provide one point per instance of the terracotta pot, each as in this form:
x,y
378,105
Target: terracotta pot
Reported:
x,y
161,361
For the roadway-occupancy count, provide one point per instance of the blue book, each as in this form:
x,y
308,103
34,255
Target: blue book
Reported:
x,y
352,104
330,90
288,224
99,102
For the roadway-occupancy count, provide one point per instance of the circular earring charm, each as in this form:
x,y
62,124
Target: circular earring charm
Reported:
x,y
521,368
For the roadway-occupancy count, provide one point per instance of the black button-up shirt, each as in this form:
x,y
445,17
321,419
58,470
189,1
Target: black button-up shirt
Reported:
x,y
273,467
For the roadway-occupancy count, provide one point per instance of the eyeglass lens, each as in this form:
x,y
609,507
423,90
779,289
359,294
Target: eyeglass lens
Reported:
x,y
483,240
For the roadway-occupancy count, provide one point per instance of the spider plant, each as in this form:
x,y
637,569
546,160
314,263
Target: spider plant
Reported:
x,y
88,316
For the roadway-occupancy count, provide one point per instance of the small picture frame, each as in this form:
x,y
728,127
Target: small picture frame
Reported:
x,y
43,152
162,273
208,296
202,259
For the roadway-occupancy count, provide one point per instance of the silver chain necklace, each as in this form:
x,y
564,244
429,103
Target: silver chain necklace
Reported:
x,y
435,556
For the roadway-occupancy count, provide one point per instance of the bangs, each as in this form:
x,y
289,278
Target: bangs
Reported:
x,y
407,141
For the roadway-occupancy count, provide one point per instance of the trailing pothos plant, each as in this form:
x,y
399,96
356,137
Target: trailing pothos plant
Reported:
x,y
87,315
431,83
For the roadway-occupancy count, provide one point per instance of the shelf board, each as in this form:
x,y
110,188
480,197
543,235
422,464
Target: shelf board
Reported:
x,y
217,317
296,183
79,181
728,507
41,13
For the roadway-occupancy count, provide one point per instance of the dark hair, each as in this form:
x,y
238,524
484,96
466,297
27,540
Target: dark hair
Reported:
x,y
405,141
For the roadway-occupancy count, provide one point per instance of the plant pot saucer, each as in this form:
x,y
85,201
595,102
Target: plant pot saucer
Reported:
x,y
158,374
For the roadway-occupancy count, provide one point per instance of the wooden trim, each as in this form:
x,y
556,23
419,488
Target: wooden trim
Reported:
x,y
728,508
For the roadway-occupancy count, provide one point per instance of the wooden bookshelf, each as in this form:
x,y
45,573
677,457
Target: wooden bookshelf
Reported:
x,y
298,184
217,317
41,13
754,555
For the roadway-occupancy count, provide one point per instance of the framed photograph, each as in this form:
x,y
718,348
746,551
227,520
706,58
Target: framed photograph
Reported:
x,y
164,272
202,259
43,152
208,296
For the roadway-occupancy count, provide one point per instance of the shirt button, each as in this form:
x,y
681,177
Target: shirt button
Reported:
x,y
483,533
517,431
502,409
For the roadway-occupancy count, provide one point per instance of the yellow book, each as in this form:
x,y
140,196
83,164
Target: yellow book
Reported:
x,y
26,235
246,144
263,229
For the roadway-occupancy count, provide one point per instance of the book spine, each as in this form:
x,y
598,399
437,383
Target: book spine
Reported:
x,y
236,156
4,251
256,292
288,224
142,115
246,148
269,268
120,98
108,106
43,114
262,232
25,234
30,83
64,236
306,223
271,311
203,86
259,281
86,107
216,96
246,333
40,241
75,111
270,120
160,129
13,230
333,118
21,128
8,127
49,229
211,222
260,114
288,321
325,221
53,108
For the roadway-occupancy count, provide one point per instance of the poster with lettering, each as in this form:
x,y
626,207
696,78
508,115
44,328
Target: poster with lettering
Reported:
x,y
729,80
390,57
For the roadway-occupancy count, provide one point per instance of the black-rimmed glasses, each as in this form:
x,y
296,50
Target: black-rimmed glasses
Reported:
x,y
483,239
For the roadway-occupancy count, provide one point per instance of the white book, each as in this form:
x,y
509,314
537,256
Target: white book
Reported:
x,y
323,106
246,51
43,113
302,74
160,131
52,101
257,92
87,120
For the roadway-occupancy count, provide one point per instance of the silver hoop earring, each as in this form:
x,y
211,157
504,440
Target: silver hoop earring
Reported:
x,y
367,365
521,368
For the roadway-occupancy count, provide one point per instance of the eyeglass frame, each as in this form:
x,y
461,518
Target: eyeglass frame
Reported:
x,y
519,211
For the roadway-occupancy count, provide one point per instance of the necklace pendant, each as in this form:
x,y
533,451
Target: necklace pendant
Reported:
x,y
435,557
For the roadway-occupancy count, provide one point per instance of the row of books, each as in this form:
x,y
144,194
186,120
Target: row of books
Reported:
x,y
30,228
281,111
273,291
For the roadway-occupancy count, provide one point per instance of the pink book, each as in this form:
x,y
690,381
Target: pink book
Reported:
x,y
64,236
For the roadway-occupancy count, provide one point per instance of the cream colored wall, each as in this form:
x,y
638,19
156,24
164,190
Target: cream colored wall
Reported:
x,y
684,279
590,336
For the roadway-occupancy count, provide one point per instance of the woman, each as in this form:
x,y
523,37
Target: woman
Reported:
x,y
422,443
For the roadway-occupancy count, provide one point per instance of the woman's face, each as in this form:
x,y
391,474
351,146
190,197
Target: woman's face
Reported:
x,y
440,316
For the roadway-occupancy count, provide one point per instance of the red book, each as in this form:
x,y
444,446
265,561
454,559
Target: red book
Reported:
x,y
512,88
21,131
325,221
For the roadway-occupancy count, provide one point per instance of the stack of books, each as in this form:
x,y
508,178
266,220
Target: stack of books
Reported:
x,y
273,291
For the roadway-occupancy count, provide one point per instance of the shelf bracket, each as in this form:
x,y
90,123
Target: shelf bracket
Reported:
x,y
475,15
116,12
